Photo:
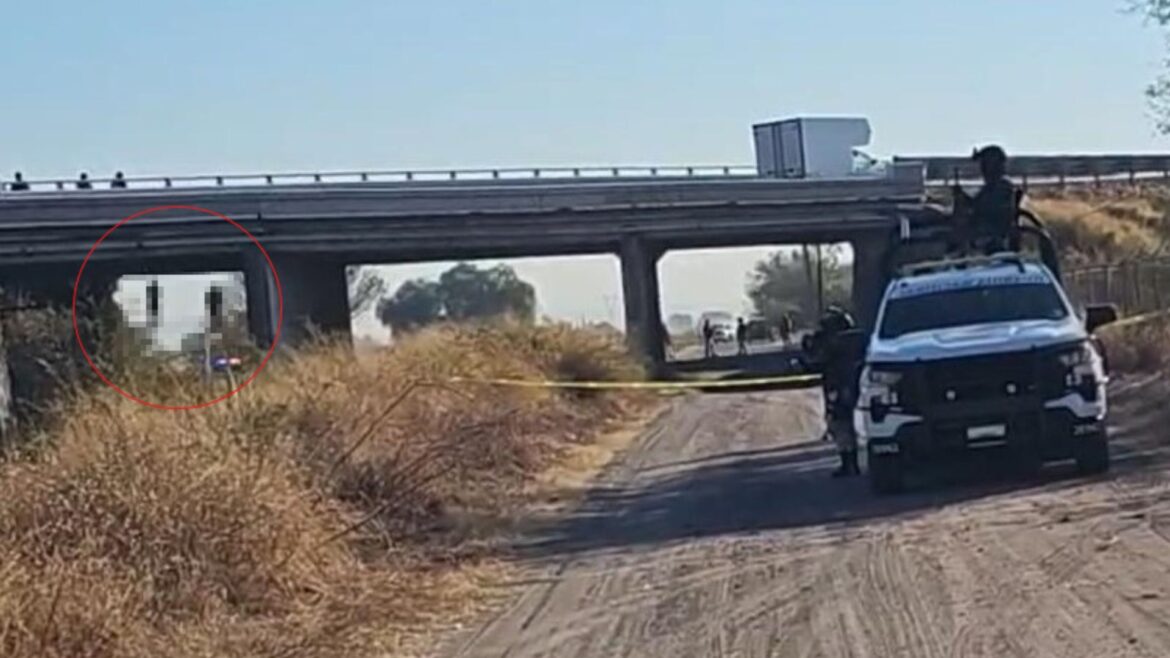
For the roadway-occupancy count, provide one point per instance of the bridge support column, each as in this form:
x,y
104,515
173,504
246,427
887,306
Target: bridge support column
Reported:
x,y
869,278
96,312
642,305
315,294
35,369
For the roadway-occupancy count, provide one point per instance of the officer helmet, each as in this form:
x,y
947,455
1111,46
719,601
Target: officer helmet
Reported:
x,y
992,154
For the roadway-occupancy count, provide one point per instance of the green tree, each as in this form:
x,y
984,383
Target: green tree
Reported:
x,y
463,292
1157,12
786,282
469,292
366,289
416,303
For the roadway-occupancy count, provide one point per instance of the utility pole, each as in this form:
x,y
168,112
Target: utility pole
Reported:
x,y
820,282
809,301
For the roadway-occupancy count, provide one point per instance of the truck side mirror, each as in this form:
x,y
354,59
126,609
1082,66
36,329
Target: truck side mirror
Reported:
x,y
1099,315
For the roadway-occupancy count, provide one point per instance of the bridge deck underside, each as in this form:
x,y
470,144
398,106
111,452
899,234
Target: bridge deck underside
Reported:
x,y
184,239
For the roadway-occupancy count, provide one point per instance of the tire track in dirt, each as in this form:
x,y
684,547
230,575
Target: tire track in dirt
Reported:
x,y
720,534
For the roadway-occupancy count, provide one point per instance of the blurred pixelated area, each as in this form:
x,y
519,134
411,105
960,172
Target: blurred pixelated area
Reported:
x,y
176,313
187,327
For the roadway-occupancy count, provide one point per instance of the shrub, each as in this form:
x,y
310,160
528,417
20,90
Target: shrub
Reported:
x,y
1140,344
312,515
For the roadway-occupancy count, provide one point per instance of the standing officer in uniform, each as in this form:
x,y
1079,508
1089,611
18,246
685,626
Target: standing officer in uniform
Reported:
x,y
839,383
708,335
740,337
786,326
992,212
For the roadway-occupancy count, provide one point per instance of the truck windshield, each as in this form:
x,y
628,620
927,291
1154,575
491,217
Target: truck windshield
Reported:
x,y
967,306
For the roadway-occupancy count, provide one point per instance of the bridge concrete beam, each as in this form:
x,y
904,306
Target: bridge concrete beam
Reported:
x,y
640,294
315,298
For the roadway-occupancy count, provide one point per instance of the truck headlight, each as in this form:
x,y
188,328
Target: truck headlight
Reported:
x,y
1081,354
1083,369
878,377
878,391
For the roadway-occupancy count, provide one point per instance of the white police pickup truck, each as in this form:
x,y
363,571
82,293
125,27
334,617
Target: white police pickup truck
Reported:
x,y
977,354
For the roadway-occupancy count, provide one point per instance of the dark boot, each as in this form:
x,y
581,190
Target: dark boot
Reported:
x,y
843,469
851,462
848,467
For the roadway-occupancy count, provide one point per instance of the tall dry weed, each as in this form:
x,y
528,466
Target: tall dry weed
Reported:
x,y
309,516
1139,345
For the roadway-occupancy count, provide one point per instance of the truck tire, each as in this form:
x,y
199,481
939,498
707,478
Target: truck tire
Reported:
x,y
886,473
1093,455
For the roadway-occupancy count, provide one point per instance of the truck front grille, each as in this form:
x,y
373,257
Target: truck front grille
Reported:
x,y
938,384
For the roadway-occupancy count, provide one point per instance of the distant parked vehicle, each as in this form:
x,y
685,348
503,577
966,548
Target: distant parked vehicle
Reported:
x,y
722,324
758,329
724,333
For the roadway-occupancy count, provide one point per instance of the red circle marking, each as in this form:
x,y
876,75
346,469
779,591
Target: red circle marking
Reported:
x,y
201,405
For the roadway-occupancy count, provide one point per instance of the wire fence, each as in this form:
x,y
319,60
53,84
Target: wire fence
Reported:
x,y
1135,287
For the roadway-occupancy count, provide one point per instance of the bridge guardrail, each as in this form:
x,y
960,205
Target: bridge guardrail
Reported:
x,y
940,171
400,176
944,168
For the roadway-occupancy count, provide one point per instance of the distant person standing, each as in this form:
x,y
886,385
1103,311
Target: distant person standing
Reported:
x,y
18,183
119,182
708,336
786,329
740,337
83,182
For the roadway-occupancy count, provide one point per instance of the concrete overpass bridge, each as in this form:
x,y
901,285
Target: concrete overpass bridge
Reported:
x,y
317,224
312,232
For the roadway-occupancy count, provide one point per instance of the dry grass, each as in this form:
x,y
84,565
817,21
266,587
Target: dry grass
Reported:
x,y
1107,225
1140,344
1101,225
335,508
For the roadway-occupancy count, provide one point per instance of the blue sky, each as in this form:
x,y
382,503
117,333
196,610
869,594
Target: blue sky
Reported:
x,y
248,86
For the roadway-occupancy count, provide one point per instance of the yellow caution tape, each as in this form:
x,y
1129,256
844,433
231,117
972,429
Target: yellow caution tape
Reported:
x,y
1136,319
726,383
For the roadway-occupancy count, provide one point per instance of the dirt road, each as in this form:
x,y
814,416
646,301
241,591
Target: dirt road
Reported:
x,y
721,534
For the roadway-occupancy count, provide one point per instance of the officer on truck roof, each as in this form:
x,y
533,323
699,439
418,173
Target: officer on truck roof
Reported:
x,y
992,212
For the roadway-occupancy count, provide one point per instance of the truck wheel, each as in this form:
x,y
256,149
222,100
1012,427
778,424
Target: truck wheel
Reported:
x,y
885,473
1093,455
